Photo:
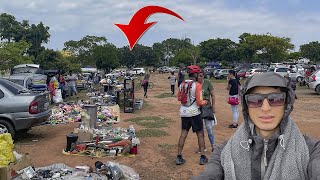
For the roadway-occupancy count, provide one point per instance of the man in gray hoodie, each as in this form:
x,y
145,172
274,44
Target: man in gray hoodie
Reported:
x,y
268,145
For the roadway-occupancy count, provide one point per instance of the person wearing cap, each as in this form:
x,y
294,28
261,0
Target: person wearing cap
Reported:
x,y
268,144
191,114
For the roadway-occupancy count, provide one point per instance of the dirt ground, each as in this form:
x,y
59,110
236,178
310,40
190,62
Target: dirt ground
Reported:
x,y
45,143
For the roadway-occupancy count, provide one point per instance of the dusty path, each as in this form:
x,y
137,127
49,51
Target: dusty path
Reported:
x,y
153,161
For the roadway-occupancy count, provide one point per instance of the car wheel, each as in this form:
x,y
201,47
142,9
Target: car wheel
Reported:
x,y
318,89
141,74
208,76
6,127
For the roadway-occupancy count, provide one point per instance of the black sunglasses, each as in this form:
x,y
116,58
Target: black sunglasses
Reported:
x,y
274,99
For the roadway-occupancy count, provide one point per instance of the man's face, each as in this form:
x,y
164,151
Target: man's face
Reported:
x,y
266,118
200,77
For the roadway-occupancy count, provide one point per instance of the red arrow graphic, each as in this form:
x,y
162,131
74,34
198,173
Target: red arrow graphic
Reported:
x,y
137,26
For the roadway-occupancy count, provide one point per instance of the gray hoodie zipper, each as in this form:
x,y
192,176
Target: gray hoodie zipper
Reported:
x,y
264,162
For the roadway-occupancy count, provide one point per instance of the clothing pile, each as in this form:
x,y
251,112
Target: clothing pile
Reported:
x,y
65,113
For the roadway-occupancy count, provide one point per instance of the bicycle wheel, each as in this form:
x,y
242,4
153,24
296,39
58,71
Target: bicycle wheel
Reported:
x,y
150,85
138,87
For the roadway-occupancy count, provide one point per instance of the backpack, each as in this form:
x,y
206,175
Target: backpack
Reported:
x,y
185,92
143,82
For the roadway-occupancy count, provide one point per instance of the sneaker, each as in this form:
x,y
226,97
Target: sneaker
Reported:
x,y
180,160
203,160
198,150
233,126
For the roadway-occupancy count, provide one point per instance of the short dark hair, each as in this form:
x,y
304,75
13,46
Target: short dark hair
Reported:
x,y
233,72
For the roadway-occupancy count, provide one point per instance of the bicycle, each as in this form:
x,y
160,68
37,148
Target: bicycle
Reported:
x,y
139,85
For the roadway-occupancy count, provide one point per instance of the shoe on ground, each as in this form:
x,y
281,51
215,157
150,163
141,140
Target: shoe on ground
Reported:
x,y
180,161
233,126
203,160
198,150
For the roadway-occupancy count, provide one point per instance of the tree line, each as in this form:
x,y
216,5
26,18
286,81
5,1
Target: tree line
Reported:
x,y
22,42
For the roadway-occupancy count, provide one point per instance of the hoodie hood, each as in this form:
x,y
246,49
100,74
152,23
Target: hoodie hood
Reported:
x,y
270,79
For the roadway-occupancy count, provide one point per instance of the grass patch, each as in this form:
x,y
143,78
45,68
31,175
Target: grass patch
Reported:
x,y
168,146
151,133
164,95
82,95
150,121
213,80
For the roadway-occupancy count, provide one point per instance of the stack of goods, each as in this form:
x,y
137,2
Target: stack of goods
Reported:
x,y
65,113
108,114
107,171
106,141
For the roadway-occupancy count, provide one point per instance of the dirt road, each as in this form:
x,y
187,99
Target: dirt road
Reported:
x,y
156,158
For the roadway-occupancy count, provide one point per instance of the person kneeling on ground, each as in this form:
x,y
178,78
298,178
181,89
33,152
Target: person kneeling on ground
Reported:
x,y
268,144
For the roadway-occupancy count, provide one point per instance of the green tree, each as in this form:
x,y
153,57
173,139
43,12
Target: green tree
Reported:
x,y
83,49
140,56
293,56
37,35
216,49
265,47
48,59
13,53
10,29
311,51
168,48
106,57
182,57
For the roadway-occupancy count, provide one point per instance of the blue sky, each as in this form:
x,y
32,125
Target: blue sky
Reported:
x,y
72,20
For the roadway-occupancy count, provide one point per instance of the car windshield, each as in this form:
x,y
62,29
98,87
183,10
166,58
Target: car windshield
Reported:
x,y
13,87
17,81
281,70
32,70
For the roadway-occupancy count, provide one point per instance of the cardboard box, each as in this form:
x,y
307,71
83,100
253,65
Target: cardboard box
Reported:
x,y
9,172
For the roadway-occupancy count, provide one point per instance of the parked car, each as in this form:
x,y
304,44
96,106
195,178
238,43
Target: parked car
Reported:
x,y
252,72
295,76
242,73
28,81
174,69
26,68
30,70
314,82
137,71
209,72
164,69
282,71
21,109
221,73
276,65
115,74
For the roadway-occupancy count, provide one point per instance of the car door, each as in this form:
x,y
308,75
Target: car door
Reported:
x,y
2,104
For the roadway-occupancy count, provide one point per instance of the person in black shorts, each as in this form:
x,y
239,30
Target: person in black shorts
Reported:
x,y
190,113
